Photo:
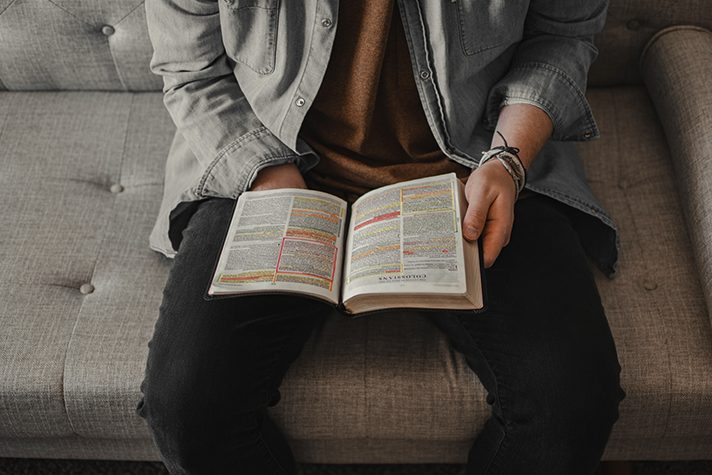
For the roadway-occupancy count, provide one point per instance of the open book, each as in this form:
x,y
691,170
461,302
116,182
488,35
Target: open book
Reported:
x,y
399,246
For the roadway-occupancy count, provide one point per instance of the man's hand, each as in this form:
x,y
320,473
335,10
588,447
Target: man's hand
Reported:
x,y
490,188
490,195
286,175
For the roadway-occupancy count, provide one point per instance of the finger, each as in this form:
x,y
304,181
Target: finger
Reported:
x,y
508,213
497,230
476,215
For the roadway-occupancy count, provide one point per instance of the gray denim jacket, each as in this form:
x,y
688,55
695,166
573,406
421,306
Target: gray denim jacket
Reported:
x,y
240,75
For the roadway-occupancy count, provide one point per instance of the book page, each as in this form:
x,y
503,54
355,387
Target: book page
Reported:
x,y
283,240
406,238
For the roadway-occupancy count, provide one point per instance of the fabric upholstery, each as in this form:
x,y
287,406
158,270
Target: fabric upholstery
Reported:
x,y
354,451
677,66
629,25
381,389
75,44
656,307
64,227
63,45
81,182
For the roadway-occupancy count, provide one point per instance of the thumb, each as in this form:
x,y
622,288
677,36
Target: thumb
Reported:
x,y
475,218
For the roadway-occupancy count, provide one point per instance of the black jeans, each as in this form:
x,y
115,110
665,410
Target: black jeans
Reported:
x,y
543,351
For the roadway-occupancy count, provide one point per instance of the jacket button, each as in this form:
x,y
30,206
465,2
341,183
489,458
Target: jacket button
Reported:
x,y
326,22
116,188
424,74
86,289
107,30
300,101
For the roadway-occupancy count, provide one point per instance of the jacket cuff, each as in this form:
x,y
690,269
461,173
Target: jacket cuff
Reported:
x,y
550,89
225,178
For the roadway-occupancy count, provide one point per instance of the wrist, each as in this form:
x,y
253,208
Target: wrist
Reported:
x,y
508,157
284,175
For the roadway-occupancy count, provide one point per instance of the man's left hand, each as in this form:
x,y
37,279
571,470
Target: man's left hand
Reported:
x,y
490,193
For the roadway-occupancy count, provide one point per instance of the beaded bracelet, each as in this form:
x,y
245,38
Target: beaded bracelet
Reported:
x,y
509,158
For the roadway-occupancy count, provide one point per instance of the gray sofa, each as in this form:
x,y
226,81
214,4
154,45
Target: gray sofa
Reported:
x,y
83,140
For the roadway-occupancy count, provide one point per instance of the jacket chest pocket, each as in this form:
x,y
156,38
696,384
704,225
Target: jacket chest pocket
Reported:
x,y
488,24
249,32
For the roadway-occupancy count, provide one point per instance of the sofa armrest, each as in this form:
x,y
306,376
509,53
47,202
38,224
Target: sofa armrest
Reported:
x,y
677,70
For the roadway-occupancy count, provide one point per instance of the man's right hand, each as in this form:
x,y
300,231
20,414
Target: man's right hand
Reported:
x,y
286,175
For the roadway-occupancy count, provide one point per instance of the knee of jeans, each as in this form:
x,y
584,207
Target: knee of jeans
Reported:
x,y
568,397
192,394
182,413
583,411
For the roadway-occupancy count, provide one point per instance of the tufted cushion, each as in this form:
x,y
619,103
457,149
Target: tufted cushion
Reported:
x,y
81,183
75,44
656,306
386,389
65,44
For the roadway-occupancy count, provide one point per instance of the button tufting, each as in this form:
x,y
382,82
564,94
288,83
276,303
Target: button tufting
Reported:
x,y
116,188
633,24
86,288
650,284
107,30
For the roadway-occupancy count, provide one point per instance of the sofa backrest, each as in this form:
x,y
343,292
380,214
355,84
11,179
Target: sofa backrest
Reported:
x,y
629,25
104,45
75,44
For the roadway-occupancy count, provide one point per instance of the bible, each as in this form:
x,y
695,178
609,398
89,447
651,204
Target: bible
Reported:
x,y
396,247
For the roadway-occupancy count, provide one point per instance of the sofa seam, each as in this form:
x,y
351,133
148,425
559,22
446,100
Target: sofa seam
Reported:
x,y
129,12
122,81
646,271
8,6
127,125
100,248
2,124
669,29
116,66
70,13
367,428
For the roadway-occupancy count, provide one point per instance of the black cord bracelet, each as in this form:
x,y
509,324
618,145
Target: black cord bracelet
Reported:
x,y
513,150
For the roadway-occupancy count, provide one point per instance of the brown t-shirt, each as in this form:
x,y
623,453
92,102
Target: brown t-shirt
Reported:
x,y
367,122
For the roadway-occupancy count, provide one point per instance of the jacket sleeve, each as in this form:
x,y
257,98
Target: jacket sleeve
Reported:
x,y
550,66
200,90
